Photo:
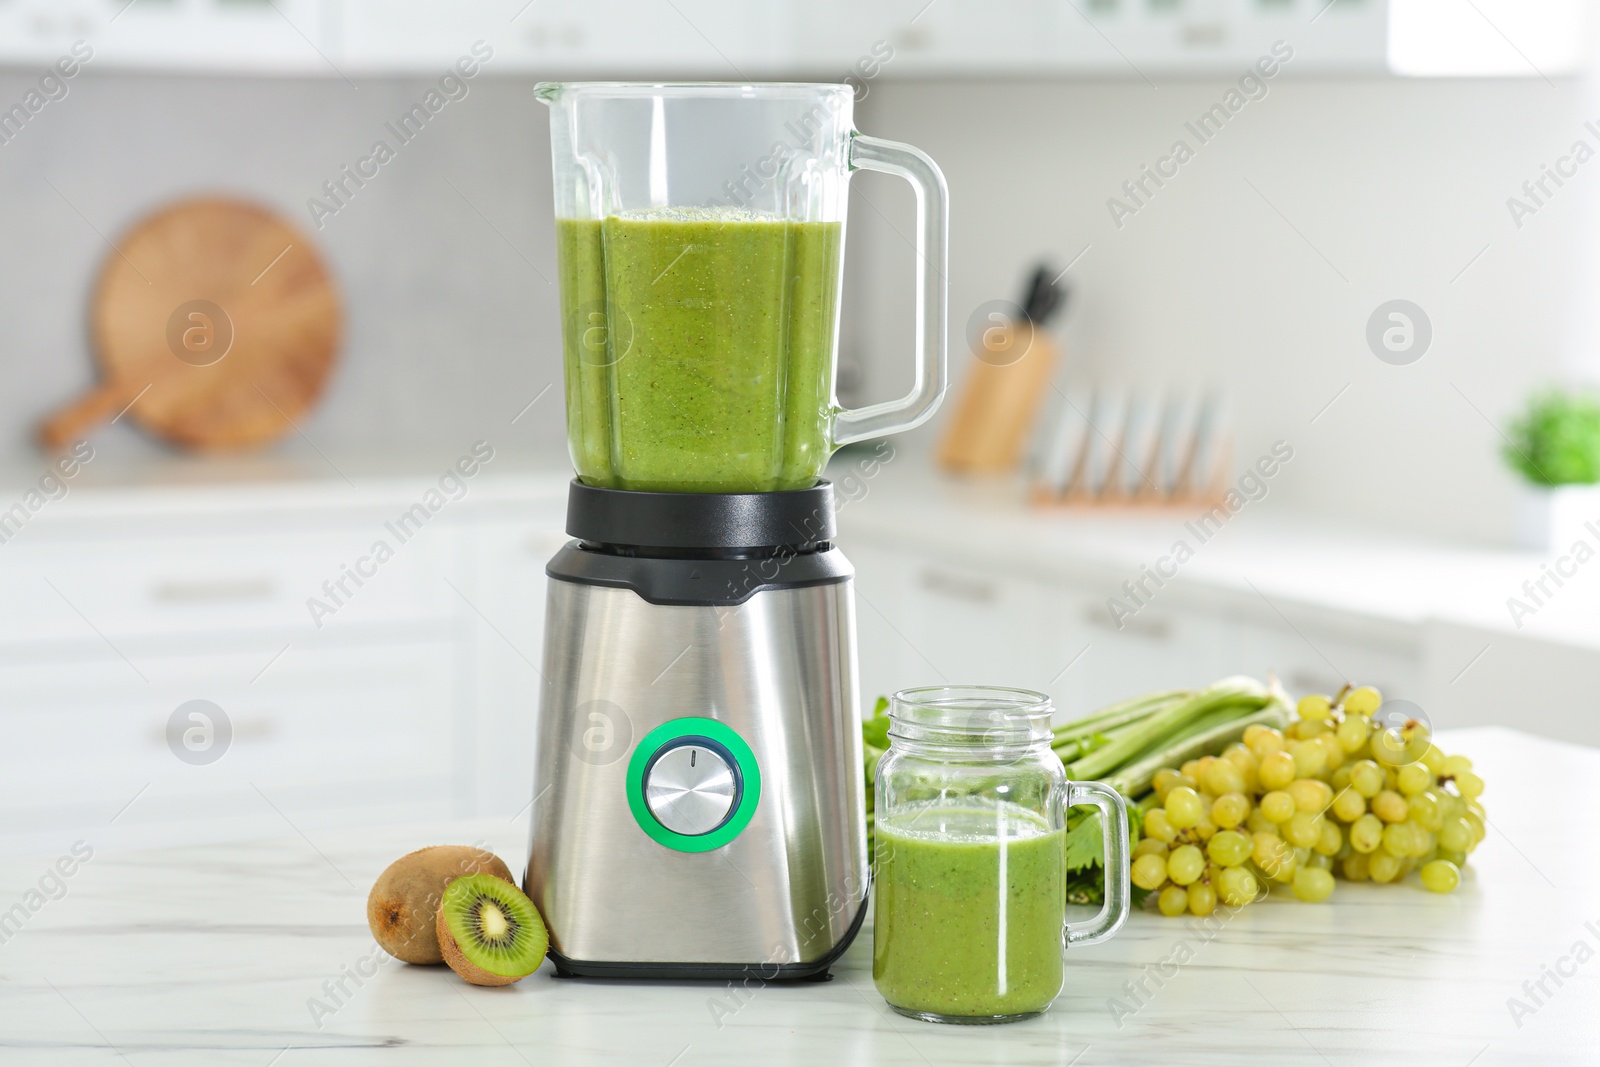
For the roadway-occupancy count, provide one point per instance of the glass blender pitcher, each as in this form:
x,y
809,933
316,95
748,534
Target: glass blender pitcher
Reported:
x,y
700,240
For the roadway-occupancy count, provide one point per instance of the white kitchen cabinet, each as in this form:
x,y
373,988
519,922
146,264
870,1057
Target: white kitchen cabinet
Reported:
x,y
218,35
921,38
1308,657
412,700
1159,648
923,620
564,38
505,621
293,583
887,661
737,40
327,734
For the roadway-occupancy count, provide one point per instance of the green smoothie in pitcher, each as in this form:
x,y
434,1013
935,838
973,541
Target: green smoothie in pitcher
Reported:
x,y
970,901
699,349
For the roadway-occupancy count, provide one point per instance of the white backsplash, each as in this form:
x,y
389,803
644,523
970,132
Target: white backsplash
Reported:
x,y
1257,265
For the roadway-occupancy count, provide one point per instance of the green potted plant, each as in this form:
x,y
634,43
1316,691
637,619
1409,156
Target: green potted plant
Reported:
x,y
1555,446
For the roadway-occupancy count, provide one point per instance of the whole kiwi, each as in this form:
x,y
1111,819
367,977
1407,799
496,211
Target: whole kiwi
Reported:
x,y
403,907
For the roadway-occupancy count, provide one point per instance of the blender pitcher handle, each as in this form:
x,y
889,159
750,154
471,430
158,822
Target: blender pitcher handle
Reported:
x,y
933,253
1114,828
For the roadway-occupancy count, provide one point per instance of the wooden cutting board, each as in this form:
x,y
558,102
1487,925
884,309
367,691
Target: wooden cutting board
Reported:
x,y
215,324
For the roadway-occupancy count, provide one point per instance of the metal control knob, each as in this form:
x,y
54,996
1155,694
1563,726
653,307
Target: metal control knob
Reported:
x,y
691,788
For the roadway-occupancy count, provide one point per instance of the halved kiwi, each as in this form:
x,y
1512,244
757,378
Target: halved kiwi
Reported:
x,y
489,932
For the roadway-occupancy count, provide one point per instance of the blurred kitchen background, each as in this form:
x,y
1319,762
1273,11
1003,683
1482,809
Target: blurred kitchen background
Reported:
x,y
1384,158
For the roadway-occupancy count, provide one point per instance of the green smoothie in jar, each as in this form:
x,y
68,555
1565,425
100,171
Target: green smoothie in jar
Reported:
x,y
699,348
970,901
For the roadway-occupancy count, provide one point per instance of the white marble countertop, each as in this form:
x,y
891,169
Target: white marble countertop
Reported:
x,y
222,954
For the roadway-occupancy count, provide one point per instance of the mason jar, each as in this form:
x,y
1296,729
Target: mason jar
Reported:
x,y
969,919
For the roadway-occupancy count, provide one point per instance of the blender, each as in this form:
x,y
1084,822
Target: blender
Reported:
x,y
699,806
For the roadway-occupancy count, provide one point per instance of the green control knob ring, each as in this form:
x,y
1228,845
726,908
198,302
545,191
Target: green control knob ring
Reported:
x,y
674,734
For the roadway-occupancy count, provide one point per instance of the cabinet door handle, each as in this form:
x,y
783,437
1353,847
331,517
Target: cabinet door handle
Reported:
x,y
972,590
254,728
214,592
1149,629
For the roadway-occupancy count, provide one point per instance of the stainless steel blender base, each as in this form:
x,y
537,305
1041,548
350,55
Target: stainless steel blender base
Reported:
x,y
765,689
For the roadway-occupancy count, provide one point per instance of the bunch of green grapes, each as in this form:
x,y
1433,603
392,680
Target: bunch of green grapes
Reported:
x,y
1333,793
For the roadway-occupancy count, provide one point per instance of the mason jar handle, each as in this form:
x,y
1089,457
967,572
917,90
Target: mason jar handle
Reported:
x,y
933,256
1114,832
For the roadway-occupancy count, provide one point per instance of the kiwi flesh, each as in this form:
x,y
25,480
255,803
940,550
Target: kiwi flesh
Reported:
x,y
490,933
403,907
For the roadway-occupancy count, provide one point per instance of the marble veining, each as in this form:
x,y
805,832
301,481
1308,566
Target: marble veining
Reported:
x,y
258,954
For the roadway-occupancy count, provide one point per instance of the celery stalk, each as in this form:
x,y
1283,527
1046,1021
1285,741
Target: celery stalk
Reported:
x,y
1134,742
1135,778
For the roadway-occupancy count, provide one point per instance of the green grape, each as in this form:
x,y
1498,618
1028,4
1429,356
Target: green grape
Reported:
x,y
1398,840
1252,733
1312,729
1367,777
1363,701
1423,809
1422,842
1450,805
1303,829
1315,707
1440,876
1158,826
1352,733
1455,856
1455,766
1191,769
1230,810
1319,861
1277,769
1333,749
1390,806
1278,806
1455,835
1366,833
1185,864
1237,887
1271,853
1475,822
1311,795
1148,846
1245,762
1310,758
1258,823
1382,867
1165,780
1329,840
1228,848
1204,828
1349,805
1433,759
1356,867
1312,884
1223,777
1340,779
1184,808
1413,778
1202,899
1149,871
1263,741
1470,784
1174,900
